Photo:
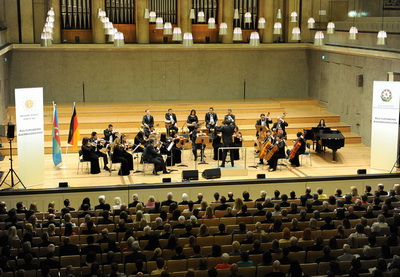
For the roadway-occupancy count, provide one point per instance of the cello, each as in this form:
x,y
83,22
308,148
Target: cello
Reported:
x,y
264,149
295,148
271,152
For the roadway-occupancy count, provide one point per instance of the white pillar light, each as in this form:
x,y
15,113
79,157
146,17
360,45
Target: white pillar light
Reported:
x,y
167,28
382,36
237,34
277,28
311,23
319,38
105,22
177,34
159,23
152,17
247,17
353,33
330,30
146,14
211,23
261,23
201,17
279,14
236,14
254,39
293,17
223,29
296,33
119,39
46,39
187,39
192,15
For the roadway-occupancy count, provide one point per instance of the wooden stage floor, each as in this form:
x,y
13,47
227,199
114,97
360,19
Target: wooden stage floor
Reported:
x,y
126,117
349,159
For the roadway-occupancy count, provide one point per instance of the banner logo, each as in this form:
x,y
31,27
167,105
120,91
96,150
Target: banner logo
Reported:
x,y
386,95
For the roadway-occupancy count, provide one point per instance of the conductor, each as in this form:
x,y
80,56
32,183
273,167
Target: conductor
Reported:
x,y
227,132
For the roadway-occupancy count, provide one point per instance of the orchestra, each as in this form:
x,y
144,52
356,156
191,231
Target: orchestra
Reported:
x,y
270,143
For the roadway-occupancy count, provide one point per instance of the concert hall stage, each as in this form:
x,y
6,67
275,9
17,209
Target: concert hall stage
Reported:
x,y
301,113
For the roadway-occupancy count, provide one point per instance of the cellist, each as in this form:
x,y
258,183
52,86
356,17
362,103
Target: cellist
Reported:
x,y
298,149
266,144
279,148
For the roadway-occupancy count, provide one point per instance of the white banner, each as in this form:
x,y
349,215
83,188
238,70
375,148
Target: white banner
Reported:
x,y
30,135
385,124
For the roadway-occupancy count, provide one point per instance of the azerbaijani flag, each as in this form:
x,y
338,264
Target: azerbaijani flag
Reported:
x,y
74,135
57,158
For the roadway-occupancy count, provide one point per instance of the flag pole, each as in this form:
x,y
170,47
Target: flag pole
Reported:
x,y
66,149
62,162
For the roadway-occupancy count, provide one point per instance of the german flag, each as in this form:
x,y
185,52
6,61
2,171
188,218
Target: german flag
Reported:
x,y
74,135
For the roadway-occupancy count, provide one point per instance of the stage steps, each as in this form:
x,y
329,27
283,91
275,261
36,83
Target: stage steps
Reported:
x,y
301,113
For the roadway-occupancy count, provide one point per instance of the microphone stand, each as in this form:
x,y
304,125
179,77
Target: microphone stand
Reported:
x,y
137,157
12,172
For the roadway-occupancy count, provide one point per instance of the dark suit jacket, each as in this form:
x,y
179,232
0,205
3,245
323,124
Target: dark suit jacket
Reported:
x,y
227,133
267,122
134,256
232,116
108,134
221,207
283,126
150,153
102,207
92,247
69,249
50,263
167,117
208,116
146,120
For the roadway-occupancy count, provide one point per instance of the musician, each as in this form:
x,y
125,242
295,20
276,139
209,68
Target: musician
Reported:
x,y
268,137
176,151
300,138
227,132
89,154
321,123
195,146
193,120
99,144
148,123
211,119
139,140
280,153
279,126
110,134
217,143
118,156
127,145
263,121
152,155
237,142
230,117
170,117
163,145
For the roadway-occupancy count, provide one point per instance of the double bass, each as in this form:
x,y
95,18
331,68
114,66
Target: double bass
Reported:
x,y
271,152
264,149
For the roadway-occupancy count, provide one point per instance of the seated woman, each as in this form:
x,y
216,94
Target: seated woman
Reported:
x,y
88,153
117,156
237,142
139,140
176,150
321,123
127,146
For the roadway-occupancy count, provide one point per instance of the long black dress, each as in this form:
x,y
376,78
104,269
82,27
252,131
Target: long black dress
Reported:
x,y
118,156
217,143
191,120
237,143
89,154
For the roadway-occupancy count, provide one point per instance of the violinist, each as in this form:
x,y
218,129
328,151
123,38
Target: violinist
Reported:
x,y
321,123
99,144
88,154
263,121
163,146
119,155
192,120
237,142
148,123
110,134
279,126
152,155
279,145
170,118
176,151
298,149
269,140
195,146
230,117
139,140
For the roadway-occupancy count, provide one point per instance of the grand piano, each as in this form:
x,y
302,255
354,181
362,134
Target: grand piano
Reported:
x,y
325,137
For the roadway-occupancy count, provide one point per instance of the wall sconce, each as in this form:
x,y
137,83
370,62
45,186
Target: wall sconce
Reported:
x,y
237,34
223,29
187,39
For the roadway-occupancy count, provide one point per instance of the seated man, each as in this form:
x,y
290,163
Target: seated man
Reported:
x,y
151,155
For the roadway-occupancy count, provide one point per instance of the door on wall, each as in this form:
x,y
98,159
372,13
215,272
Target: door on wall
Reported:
x,y
165,80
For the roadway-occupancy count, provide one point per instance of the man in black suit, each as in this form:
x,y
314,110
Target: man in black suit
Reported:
x,y
230,117
105,219
148,123
136,254
152,155
195,146
67,205
3,208
302,148
102,204
221,230
68,249
135,201
280,153
170,118
98,146
279,126
199,198
223,206
51,220
263,121
169,200
326,257
156,209
91,246
110,134
227,132
211,119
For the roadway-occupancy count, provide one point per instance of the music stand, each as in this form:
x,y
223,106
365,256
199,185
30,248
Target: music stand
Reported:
x,y
168,125
11,171
202,140
137,157
182,142
169,148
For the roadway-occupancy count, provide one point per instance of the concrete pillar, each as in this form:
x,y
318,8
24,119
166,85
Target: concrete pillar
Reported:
x,y
184,17
55,4
228,19
142,24
12,21
269,11
293,6
97,27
